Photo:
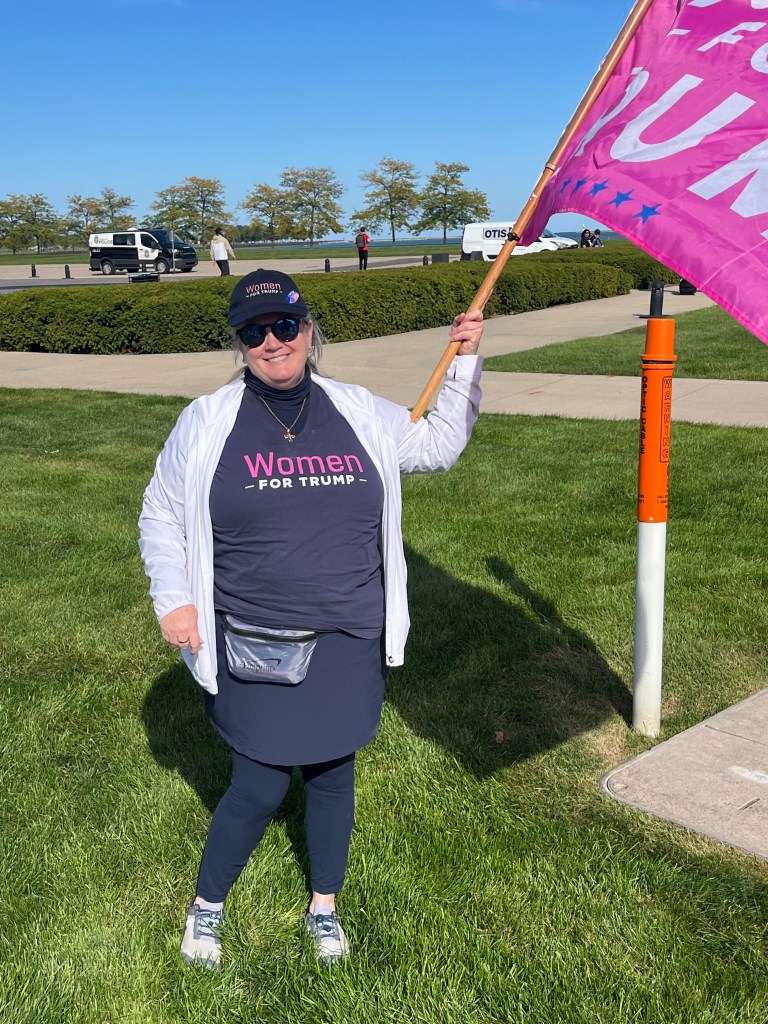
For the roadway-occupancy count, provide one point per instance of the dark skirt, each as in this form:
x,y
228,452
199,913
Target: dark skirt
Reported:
x,y
334,711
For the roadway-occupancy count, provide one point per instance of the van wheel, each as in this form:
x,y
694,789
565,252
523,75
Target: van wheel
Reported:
x,y
162,266
186,270
107,267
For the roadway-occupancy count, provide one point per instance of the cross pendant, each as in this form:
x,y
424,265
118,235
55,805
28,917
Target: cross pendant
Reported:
x,y
289,436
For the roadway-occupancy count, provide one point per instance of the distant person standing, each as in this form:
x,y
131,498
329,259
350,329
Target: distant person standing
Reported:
x,y
585,242
597,242
221,252
361,241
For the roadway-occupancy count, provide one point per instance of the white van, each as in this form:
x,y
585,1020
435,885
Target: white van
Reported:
x,y
140,249
484,241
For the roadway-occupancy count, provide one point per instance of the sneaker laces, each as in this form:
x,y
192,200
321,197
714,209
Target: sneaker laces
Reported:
x,y
328,924
206,923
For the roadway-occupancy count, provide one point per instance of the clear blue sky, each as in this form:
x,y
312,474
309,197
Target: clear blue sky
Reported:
x,y
138,94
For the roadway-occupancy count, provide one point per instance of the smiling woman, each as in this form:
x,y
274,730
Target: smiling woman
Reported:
x,y
267,548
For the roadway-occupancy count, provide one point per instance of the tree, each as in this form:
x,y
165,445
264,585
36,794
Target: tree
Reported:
x,y
392,197
14,232
84,215
447,203
193,208
270,208
311,201
250,232
38,219
116,210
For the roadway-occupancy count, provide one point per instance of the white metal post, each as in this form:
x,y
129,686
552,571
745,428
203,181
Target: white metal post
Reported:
x,y
649,627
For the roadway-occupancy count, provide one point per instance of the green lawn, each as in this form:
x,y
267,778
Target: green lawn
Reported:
x,y
708,343
490,880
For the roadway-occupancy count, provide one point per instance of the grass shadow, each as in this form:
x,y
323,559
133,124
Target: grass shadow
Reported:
x,y
182,740
492,679
495,680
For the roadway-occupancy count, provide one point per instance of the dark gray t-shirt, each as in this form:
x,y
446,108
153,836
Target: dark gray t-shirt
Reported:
x,y
296,523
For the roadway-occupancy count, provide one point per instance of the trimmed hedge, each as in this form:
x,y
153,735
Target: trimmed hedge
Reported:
x,y
643,268
191,316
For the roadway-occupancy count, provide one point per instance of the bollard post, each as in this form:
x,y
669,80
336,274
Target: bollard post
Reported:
x,y
327,266
66,270
657,364
34,270
425,261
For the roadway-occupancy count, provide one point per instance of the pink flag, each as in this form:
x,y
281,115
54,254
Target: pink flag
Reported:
x,y
674,153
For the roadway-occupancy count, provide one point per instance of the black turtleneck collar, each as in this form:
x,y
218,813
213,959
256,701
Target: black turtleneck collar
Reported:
x,y
285,396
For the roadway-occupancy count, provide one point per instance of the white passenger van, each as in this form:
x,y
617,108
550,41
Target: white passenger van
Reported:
x,y
484,241
140,249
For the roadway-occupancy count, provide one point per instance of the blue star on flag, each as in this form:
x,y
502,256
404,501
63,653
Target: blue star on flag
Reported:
x,y
598,187
579,183
565,185
621,197
649,211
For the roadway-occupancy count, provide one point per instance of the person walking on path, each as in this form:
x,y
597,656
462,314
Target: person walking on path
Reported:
x,y
361,241
271,533
221,252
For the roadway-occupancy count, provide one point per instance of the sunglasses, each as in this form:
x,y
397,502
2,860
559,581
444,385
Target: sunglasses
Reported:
x,y
284,329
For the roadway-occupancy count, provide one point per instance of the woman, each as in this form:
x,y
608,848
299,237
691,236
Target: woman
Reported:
x,y
585,242
221,252
271,533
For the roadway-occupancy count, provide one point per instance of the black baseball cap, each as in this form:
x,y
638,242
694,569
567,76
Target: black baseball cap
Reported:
x,y
264,291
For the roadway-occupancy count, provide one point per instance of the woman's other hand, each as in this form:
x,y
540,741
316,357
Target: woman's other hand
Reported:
x,y
467,328
179,628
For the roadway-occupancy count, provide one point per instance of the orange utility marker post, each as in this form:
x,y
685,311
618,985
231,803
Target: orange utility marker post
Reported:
x,y
596,86
657,364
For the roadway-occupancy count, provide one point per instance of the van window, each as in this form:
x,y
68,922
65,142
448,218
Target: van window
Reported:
x,y
124,240
149,242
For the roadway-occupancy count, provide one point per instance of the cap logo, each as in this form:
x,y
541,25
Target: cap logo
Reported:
x,y
292,297
262,288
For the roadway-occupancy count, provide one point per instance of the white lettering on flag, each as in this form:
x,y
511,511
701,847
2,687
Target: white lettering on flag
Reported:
x,y
629,148
633,89
730,37
753,199
760,60
673,154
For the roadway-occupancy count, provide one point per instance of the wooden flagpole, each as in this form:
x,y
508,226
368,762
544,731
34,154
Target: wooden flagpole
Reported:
x,y
604,72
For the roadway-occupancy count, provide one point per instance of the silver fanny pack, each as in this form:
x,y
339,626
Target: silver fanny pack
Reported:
x,y
258,654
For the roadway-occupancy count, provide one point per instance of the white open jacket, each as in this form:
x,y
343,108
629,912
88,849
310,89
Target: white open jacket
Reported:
x,y
176,536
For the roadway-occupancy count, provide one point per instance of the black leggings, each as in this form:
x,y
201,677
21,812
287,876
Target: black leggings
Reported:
x,y
245,810
362,255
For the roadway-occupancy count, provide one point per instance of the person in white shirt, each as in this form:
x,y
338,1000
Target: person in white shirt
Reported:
x,y
221,252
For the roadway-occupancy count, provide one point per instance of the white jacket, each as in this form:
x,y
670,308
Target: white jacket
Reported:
x,y
176,536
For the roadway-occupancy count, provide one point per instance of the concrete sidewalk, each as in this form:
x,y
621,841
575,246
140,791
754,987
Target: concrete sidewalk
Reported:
x,y
47,274
712,778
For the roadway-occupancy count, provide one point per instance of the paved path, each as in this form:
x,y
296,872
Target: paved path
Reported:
x,y
712,778
15,277
398,366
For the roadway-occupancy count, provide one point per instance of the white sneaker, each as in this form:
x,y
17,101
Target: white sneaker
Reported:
x,y
201,943
327,934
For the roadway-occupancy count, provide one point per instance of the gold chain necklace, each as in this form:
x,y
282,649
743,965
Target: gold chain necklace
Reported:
x,y
287,435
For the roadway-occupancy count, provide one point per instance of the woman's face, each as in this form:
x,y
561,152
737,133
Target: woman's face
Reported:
x,y
281,364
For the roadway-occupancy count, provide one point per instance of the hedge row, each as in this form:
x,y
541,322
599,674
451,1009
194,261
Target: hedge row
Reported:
x,y
643,268
190,316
